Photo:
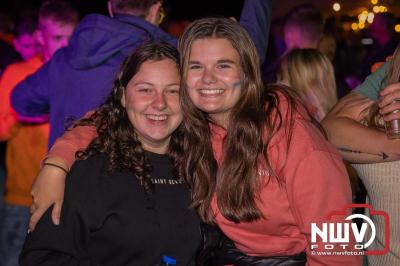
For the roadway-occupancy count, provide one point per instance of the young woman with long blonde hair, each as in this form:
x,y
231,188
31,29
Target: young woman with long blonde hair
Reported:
x,y
311,75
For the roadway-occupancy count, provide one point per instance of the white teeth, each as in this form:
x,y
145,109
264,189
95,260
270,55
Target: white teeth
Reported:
x,y
157,117
211,91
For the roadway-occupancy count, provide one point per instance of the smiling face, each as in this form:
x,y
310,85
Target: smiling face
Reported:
x,y
214,77
151,100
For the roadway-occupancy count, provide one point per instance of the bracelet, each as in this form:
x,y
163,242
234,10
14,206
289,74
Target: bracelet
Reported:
x,y
56,165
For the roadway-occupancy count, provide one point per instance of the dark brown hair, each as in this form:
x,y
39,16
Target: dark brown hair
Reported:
x,y
253,121
116,135
59,11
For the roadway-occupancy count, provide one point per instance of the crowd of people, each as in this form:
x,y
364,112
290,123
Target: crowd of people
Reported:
x,y
127,146
27,137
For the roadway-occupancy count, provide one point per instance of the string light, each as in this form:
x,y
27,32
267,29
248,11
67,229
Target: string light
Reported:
x,y
354,26
397,28
370,17
336,7
383,9
366,17
363,17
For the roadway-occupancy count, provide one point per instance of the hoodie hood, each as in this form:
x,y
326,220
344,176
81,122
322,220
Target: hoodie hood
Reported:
x,y
98,39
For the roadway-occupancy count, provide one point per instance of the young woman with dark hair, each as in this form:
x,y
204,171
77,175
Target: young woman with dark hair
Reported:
x,y
124,203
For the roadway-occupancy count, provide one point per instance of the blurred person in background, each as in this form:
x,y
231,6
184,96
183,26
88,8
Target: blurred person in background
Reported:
x,y
276,48
327,45
311,75
25,41
79,78
55,26
302,28
384,44
354,126
27,143
8,55
336,47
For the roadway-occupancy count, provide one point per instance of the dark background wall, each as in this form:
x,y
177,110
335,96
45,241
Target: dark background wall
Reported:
x,y
189,9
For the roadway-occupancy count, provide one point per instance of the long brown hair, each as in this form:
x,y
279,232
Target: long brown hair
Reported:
x,y
116,135
235,183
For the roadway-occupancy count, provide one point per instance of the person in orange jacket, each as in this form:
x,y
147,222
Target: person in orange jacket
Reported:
x,y
27,143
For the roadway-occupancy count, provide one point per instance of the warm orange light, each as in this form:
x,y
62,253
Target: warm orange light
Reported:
x,y
363,17
375,9
361,26
354,26
397,28
374,2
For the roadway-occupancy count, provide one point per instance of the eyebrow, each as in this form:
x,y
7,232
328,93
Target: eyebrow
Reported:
x,y
151,84
172,84
143,82
230,61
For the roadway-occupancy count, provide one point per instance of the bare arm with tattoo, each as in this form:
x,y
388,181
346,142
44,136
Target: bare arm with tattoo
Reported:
x,y
356,142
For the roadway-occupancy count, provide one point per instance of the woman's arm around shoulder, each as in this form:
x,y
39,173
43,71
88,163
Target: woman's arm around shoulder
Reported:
x,y
48,187
66,243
